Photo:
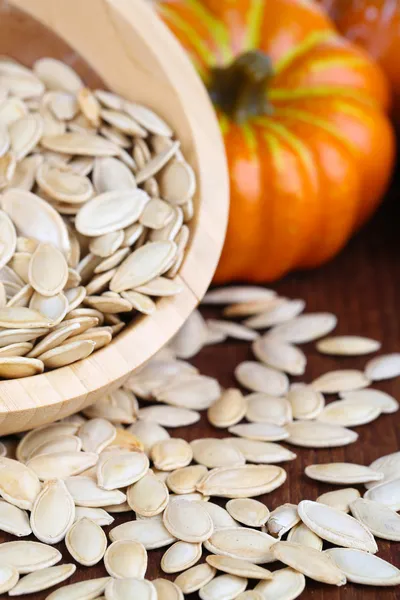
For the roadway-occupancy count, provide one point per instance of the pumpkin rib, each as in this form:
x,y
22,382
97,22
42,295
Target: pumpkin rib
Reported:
x,y
254,19
314,39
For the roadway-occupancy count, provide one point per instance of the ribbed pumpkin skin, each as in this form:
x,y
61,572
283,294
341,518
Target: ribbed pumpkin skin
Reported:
x,y
306,176
375,26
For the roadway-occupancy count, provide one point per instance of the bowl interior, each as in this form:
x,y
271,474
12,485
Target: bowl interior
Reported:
x,y
121,45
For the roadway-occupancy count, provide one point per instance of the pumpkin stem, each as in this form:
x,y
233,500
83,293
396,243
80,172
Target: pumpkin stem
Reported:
x,y
239,89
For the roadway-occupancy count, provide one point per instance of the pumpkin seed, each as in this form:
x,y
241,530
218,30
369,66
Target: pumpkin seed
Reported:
x,y
212,452
384,401
194,392
120,470
171,454
306,403
280,355
285,584
157,162
387,493
96,515
262,408
224,587
53,512
126,589
67,353
278,311
389,465
242,543
340,381
57,75
25,134
191,337
8,578
195,578
149,532
383,367
86,492
228,410
383,522
36,437
260,378
365,568
19,349
348,345
342,473
160,286
336,526
148,497
219,516
20,317
63,443
349,413
149,433
238,294
167,590
83,590
249,595
86,542
233,330
249,512
188,521
169,416
315,434
282,519
313,563
301,534
14,520
305,328
27,557
42,580
96,434
241,482
61,464
126,559
264,432
255,451
184,480
8,237
63,184
239,567
180,556
19,485
340,499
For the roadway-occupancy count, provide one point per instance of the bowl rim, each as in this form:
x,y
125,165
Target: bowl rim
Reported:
x,y
68,389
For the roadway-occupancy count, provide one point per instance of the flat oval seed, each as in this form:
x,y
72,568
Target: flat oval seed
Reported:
x,y
14,520
212,452
280,311
262,408
184,480
86,492
342,473
126,559
305,328
36,437
382,521
255,451
250,595
149,532
8,578
83,590
195,578
96,434
313,563
180,556
223,587
53,512
120,470
219,516
27,557
237,566
86,542
383,367
61,464
282,519
19,485
348,345
148,497
242,482
260,378
239,294
149,433
364,568
280,355
264,432
67,353
384,401
8,237
389,465
188,521
167,590
286,584
340,381
314,434
306,403
171,454
336,526
245,544
387,493
340,499
228,410
349,413
301,534
248,511
43,579
130,589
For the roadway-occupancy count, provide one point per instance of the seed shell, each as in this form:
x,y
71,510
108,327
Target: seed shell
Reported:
x,y
342,473
241,482
195,578
86,542
83,590
382,521
242,543
53,512
43,579
285,584
251,513
188,521
126,559
180,556
362,567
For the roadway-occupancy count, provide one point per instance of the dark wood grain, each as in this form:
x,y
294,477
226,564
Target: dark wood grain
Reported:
x,y
361,286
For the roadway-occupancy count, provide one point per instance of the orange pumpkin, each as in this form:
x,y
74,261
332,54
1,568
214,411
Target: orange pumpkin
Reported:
x,y
374,25
303,112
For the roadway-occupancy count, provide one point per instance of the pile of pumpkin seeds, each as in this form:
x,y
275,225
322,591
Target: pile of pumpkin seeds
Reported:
x,y
197,500
96,197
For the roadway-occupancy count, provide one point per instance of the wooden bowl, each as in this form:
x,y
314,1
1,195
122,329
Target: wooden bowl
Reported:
x,y
126,45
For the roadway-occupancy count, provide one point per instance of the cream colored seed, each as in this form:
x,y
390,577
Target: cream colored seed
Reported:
x,y
251,513
188,521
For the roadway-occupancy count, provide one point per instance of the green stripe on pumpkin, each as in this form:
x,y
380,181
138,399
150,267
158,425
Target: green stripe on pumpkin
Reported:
x,y
254,20
314,39
216,29
290,138
320,92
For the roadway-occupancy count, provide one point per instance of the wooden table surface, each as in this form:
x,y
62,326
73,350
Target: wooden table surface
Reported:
x,y
361,286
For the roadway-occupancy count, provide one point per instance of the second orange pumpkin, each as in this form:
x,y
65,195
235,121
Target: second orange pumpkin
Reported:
x,y
309,145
